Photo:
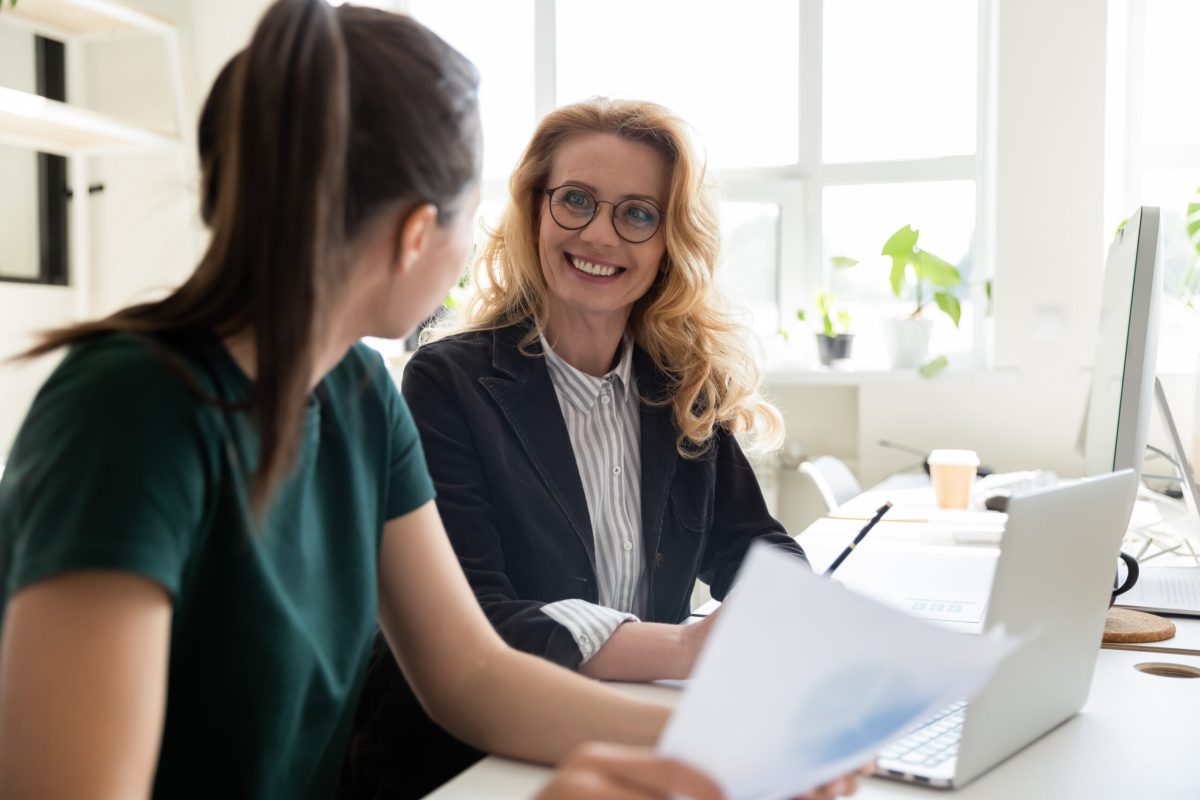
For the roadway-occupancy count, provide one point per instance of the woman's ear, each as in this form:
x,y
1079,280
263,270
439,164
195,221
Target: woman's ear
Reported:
x,y
412,236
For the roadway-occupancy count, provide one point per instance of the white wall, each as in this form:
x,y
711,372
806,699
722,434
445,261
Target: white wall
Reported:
x,y
145,235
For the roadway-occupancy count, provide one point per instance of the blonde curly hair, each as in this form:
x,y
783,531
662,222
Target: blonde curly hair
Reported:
x,y
679,322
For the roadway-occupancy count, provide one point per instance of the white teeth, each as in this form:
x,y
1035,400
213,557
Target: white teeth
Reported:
x,y
592,269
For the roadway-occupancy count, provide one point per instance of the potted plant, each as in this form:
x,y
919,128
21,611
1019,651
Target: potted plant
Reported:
x,y
928,279
833,338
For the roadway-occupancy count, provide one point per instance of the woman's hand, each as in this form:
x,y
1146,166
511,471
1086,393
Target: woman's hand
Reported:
x,y
616,772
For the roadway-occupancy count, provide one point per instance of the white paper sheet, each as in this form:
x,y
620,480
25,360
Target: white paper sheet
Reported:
x,y
802,681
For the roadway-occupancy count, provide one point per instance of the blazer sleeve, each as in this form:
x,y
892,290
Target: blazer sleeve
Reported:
x,y
740,518
439,395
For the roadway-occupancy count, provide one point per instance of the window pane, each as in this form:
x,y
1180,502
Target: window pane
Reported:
x,y
899,79
858,220
1170,114
730,70
749,268
498,38
1172,191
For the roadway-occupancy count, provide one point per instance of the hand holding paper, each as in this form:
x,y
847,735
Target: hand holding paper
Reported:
x,y
803,681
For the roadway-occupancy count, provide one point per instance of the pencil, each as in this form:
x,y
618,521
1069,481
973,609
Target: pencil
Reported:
x,y
862,534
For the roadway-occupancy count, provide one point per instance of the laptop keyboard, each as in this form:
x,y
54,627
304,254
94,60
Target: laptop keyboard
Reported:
x,y
932,741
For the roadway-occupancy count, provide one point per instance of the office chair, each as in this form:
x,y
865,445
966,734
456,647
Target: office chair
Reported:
x,y
813,490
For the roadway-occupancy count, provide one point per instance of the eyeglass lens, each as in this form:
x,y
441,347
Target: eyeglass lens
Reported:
x,y
573,207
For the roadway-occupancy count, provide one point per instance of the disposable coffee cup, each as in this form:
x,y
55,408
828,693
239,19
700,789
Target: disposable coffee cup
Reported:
x,y
952,472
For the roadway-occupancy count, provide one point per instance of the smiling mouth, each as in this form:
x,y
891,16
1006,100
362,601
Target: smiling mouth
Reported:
x,y
595,270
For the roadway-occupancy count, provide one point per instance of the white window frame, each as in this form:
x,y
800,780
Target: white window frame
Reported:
x,y
797,188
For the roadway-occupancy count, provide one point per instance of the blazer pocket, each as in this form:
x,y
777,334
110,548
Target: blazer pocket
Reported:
x,y
690,508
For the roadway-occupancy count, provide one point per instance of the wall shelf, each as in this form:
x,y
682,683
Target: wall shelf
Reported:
x,y
82,18
28,120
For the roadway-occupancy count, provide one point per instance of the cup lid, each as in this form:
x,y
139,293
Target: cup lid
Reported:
x,y
966,458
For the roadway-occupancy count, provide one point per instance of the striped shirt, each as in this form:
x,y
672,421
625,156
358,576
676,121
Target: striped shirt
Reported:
x,y
604,426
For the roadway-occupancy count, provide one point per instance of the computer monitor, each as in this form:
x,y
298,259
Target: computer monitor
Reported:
x,y
1122,396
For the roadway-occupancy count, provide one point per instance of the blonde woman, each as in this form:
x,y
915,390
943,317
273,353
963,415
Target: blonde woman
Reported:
x,y
579,423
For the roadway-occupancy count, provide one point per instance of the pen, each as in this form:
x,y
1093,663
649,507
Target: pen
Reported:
x,y
862,534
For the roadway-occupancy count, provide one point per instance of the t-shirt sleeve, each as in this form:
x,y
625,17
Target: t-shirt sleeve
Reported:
x,y
108,470
409,486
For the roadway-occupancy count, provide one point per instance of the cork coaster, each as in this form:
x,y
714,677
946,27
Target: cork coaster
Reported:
x,y
1129,626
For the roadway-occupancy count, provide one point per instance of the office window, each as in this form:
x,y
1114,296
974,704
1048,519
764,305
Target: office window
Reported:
x,y
788,119
922,105
498,38
750,240
1162,157
858,219
731,70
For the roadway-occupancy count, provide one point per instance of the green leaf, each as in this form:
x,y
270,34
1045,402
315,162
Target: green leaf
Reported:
x,y
897,277
843,319
936,270
1120,227
783,333
932,368
824,304
800,314
987,293
949,303
901,243
842,262
1193,232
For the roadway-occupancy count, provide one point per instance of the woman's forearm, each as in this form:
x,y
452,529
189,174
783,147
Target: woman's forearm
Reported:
x,y
645,651
524,707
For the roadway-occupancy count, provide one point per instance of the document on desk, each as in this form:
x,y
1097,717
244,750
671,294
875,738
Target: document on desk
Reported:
x,y
802,681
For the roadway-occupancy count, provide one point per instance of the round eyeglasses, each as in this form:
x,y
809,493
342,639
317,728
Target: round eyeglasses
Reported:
x,y
573,208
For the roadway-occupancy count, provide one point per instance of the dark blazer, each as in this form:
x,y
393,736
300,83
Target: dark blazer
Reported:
x,y
512,501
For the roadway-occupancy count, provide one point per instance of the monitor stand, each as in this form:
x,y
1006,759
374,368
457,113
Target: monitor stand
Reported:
x,y
1171,591
1186,478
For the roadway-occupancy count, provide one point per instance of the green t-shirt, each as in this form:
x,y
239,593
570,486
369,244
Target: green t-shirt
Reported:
x,y
119,465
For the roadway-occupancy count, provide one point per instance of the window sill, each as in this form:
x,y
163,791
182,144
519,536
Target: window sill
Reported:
x,y
827,376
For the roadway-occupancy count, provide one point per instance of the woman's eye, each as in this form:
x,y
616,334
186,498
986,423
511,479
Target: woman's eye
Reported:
x,y
640,215
577,199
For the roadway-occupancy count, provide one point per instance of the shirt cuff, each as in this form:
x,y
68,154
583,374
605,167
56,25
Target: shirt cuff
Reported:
x,y
590,625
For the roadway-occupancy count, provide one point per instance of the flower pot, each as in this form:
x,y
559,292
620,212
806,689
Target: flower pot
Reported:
x,y
833,348
908,341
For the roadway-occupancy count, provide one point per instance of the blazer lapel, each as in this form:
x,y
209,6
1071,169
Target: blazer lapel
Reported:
x,y
531,407
659,455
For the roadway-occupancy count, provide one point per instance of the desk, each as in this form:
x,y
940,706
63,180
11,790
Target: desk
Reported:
x,y
1135,738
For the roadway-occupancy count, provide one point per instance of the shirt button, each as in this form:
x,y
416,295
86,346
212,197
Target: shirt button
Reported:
x,y
628,545
605,399
616,470
583,639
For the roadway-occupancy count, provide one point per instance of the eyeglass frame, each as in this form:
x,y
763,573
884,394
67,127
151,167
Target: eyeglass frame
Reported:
x,y
662,215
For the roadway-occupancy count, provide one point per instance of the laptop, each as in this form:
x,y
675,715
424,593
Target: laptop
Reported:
x,y
1052,585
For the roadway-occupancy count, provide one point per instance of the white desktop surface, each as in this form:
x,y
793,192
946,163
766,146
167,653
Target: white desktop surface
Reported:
x,y
1136,737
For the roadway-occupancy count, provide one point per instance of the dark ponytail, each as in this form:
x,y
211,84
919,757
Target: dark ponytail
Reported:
x,y
325,117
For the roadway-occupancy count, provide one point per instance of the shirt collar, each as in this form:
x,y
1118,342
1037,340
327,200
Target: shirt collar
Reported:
x,y
581,389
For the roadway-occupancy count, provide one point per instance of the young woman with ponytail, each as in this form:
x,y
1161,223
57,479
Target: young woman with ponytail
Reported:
x,y
215,495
